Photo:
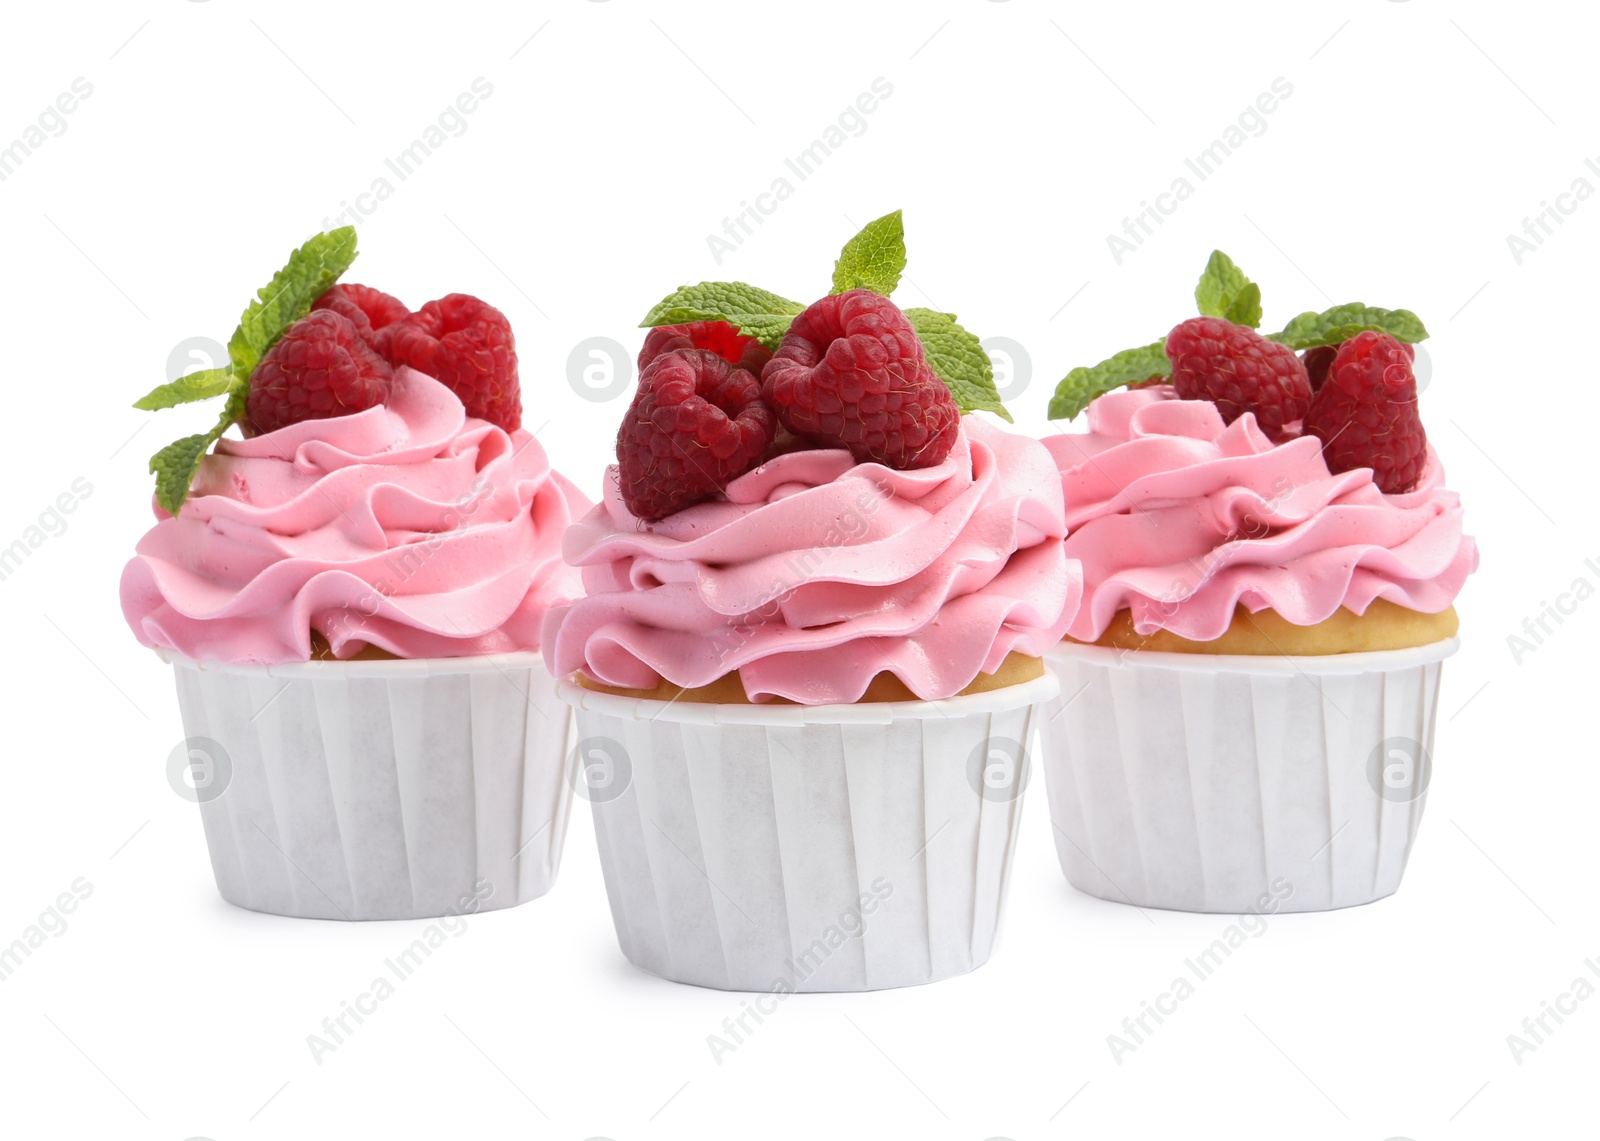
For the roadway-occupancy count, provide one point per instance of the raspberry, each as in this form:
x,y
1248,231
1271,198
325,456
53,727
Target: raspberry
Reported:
x,y
1240,371
851,373
371,311
467,346
695,424
1317,361
319,368
720,337
1366,415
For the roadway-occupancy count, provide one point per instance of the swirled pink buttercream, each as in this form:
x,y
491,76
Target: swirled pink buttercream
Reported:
x,y
814,573
408,526
1179,519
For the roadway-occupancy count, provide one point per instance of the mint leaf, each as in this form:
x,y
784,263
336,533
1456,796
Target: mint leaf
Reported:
x,y
1331,326
310,270
200,385
1245,308
175,465
958,359
874,258
288,296
1130,366
1220,285
756,312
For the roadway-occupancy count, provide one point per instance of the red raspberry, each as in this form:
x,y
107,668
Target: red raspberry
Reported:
x,y
695,424
466,345
1317,361
720,337
1366,415
371,311
1240,371
319,368
851,373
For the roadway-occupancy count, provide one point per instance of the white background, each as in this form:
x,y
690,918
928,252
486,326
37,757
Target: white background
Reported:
x,y
1017,137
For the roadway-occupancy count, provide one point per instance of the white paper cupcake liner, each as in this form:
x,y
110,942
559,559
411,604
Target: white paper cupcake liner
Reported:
x,y
823,848
1199,782
380,789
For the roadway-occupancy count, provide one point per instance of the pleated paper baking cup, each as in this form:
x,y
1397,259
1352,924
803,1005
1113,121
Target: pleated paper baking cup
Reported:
x,y
378,789
795,848
1199,782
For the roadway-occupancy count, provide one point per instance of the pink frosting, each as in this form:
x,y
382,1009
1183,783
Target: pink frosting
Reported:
x,y
1180,518
409,526
816,572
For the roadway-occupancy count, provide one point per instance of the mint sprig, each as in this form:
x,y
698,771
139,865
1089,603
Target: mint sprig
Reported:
x,y
285,299
756,312
1312,330
1224,291
874,258
288,297
958,358
1130,366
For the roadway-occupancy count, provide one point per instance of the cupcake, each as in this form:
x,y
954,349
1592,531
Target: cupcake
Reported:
x,y
351,595
1270,560
810,649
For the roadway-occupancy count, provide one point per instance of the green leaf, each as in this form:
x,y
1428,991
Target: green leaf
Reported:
x,y
1219,285
1130,366
1332,326
202,385
1245,308
874,258
756,312
175,465
958,359
310,270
